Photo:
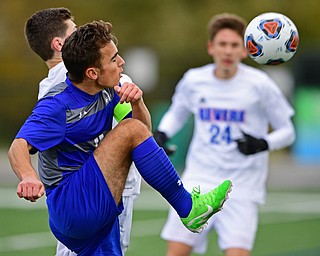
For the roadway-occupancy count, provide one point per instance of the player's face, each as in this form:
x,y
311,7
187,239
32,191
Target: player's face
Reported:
x,y
111,66
227,50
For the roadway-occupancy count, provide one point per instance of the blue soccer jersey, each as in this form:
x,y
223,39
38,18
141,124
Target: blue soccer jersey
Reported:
x,y
63,127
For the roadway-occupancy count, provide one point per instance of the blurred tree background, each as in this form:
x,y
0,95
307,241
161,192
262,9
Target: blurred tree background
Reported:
x,y
175,30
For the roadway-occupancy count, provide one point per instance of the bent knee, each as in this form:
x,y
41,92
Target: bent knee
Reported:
x,y
135,127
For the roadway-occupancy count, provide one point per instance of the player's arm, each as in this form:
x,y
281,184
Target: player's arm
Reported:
x,y
282,134
30,187
161,138
279,138
175,118
172,122
131,93
43,129
141,112
280,119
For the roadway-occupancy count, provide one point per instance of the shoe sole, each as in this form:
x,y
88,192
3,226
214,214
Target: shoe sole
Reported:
x,y
226,197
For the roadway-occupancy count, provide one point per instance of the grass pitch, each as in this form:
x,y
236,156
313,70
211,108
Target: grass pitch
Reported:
x,y
289,226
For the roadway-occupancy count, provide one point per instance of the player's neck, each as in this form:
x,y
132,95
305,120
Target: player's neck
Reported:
x,y
88,86
53,62
225,74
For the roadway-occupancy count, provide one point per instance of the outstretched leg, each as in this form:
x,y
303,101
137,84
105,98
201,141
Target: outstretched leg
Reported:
x,y
131,140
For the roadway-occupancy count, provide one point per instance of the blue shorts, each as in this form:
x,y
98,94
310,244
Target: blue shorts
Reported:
x,y
83,214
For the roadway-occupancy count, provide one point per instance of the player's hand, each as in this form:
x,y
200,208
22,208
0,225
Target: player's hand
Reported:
x,y
249,145
30,189
161,138
128,92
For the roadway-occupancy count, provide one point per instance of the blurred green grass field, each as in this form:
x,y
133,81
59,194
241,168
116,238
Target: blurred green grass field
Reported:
x,y
289,226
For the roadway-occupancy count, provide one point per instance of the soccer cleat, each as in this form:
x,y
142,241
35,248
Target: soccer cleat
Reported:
x,y
204,206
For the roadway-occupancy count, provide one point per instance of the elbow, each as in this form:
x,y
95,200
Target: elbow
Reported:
x,y
11,151
281,138
18,145
12,155
291,137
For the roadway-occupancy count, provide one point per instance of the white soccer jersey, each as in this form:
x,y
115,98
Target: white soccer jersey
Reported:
x,y
248,102
56,75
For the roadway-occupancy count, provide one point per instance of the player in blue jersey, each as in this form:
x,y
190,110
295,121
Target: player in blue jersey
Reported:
x,y
83,163
233,106
46,31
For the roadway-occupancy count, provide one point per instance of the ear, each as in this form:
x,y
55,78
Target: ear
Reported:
x,y
56,44
244,53
92,73
210,49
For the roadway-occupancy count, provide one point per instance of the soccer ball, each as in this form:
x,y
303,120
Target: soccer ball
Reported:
x,y
271,38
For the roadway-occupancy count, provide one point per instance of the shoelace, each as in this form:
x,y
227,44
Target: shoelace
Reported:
x,y
196,192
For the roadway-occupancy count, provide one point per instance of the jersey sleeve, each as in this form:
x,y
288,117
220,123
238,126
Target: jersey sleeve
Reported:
x,y
179,111
279,113
46,126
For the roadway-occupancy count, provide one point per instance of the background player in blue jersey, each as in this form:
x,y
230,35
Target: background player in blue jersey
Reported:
x,y
232,105
84,163
46,31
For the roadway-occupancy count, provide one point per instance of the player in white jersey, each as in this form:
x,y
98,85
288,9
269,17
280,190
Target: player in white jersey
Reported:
x,y
233,106
54,25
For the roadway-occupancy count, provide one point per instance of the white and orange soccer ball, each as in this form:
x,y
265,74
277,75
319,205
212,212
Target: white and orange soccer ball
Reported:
x,y
271,38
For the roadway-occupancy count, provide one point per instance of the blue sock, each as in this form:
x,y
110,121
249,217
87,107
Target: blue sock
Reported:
x,y
157,170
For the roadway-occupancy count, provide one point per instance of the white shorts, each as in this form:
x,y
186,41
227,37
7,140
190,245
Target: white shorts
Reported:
x,y
236,227
125,222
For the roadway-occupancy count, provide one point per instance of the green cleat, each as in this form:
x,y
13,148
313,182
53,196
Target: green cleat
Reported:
x,y
204,206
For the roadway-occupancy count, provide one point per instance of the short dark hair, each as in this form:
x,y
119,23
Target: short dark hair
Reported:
x,y
226,20
45,25
81,50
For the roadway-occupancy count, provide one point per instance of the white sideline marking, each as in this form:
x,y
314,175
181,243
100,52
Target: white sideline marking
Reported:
x,y
9,199
150,200
26,241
